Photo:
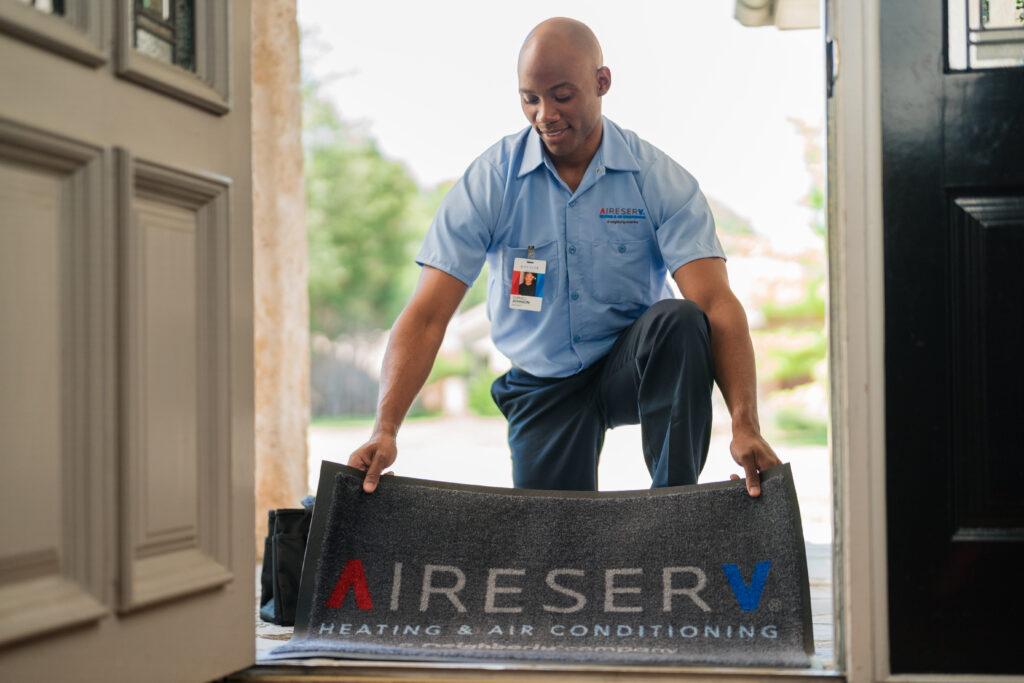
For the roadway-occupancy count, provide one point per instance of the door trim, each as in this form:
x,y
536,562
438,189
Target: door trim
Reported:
x,y
856,331
80,35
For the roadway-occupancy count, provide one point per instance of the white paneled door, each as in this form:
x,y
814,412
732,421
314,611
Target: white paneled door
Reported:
x,y
126,358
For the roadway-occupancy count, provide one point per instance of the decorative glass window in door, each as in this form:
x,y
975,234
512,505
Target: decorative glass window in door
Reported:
x,y
165,30
985,34
181,48
46,6
74,29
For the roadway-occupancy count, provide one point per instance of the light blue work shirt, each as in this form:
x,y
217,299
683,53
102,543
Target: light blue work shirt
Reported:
x,y
609,247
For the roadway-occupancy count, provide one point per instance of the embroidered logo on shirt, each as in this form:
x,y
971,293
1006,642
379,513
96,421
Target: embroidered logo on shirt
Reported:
x,y
621,215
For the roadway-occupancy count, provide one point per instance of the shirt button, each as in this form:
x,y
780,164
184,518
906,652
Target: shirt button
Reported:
x,y
575,296
572,250
622,248
576,339
572,203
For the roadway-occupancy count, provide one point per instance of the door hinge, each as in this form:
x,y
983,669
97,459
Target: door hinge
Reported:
x,y
831,64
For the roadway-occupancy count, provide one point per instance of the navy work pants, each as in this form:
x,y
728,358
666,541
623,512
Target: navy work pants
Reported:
x,y
659,373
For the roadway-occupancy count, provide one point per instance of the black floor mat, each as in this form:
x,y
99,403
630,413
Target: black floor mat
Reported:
x,y
423,570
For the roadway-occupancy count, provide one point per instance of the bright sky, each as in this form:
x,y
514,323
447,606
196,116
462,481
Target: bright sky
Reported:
x,y
435,84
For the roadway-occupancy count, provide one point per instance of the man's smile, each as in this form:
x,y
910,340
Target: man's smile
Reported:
x,y
554,134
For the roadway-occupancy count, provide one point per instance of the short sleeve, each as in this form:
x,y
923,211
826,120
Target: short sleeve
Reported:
x,y
461,231
682,218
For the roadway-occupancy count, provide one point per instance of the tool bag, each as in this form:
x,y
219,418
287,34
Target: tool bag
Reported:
x,y
283,550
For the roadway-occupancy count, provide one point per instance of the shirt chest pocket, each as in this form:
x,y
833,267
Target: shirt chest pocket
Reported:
x,y
621,270
547,252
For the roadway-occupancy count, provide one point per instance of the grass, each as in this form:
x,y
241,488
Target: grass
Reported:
x,y
794,428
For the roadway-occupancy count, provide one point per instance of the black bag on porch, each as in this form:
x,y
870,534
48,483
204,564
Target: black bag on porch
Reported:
x,y
283,550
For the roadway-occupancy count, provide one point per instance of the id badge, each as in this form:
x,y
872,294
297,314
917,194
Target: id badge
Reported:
x,y
527,284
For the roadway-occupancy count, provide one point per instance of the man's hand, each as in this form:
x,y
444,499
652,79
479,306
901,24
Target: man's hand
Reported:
x,y
412,346
373,456
706,282
754,455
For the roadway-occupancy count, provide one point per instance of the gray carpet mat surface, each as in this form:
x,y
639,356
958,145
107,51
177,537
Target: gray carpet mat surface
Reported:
x,y
424,570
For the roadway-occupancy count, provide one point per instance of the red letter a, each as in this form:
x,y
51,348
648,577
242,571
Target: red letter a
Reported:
x,y
351,576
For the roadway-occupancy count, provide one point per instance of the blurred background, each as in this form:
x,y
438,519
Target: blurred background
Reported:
x,y
393,112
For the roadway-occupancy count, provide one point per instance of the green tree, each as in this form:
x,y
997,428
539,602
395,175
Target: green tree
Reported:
x,y
422,211
360,223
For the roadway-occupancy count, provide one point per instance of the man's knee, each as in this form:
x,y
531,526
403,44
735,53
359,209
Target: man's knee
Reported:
x,y
677,318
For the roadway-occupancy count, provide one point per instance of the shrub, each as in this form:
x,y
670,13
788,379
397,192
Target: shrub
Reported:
x,y
480,401
796,427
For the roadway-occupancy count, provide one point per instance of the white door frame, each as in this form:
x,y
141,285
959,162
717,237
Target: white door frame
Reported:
x,y
857,339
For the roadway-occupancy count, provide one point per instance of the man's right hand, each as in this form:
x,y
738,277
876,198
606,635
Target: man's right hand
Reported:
x,y
373,457
412,347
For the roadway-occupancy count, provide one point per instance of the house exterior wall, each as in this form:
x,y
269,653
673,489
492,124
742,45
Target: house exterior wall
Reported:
x,y
279,261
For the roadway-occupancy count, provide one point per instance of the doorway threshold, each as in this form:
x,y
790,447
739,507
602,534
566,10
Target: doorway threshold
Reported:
x,y
312,670
320,670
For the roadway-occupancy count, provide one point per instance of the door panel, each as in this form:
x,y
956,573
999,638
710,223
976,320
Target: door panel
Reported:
x,y
175,308
49,578
987,329
953,179
126,359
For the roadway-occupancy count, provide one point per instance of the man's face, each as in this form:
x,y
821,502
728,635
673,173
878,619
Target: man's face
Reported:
x,y
528,278
561,99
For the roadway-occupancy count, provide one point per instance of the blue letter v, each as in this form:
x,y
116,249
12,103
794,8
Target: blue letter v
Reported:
x,y
749,597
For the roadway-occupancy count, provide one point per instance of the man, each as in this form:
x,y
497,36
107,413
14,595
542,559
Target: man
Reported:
x,y
606,217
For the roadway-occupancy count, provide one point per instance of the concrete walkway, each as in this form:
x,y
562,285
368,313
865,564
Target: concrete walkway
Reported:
x,y
473,450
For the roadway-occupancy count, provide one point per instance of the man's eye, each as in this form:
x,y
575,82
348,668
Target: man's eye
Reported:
x,y
530,100
563,98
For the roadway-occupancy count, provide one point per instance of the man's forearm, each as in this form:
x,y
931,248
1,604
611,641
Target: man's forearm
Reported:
x,y
411,350
734,361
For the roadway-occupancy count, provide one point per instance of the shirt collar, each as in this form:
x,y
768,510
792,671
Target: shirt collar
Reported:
x,y
613,152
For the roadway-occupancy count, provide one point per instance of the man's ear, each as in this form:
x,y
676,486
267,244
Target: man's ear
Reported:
x,y
604,80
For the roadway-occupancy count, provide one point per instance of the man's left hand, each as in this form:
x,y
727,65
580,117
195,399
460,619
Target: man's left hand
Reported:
x,y
753,454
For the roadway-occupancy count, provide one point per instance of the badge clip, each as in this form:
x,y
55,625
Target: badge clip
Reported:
x,y
529,251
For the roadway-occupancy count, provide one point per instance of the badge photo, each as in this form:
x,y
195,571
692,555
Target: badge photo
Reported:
x,y
527,284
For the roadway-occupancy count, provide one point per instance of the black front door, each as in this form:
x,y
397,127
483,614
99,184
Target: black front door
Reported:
x,y
953,174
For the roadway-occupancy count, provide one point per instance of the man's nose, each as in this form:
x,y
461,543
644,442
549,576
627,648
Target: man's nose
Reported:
x,y
546,112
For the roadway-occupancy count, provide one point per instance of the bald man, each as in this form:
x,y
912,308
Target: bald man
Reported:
x,y
602,219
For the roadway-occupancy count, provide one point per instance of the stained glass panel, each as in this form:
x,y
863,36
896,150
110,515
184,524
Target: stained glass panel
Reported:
x,y
165,30
985,34
46,6
1001,13
149,44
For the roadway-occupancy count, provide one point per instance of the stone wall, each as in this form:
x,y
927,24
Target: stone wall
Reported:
x,y
280,261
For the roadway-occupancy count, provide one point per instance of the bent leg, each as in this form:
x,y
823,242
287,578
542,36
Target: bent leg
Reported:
x,y
660,373
555,431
